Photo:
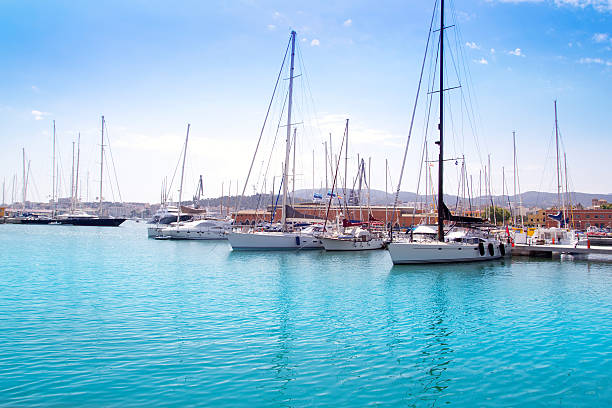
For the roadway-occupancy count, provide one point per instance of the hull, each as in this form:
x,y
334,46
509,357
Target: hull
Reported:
x,y
272,241
600,240
93,222
173,233
335,244
29,221
445,252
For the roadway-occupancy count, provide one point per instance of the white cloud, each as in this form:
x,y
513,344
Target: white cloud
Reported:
x,y
271,27
598,61
472,45
348,23
315,43
599,5
492,50
35,88
600,37
38,115
482,61
516,52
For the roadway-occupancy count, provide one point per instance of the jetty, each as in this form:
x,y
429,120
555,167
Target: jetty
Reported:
x,y
547,251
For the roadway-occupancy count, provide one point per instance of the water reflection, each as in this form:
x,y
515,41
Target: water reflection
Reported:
x,y
284,304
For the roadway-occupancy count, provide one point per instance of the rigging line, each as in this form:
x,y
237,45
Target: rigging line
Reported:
x,y
547,157
263,126
308,87
113,162
278,126
418,182
110,181
470,85
331,198
399,184
169,188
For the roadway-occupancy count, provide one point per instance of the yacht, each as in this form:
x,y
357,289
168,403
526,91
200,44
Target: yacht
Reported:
x,y
289,237
468,245
261,239
349,237
204,229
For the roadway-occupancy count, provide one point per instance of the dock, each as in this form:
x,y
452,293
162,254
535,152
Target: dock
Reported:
x,y
548,250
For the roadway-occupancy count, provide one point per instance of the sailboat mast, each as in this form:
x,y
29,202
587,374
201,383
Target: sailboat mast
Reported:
x,y
514,174
76,184
53,187
293,171
569,196
101,165
23,188
441,128
557,148
178,217
288,141
72,182
346,163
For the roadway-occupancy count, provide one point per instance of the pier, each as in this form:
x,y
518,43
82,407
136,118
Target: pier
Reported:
x,y
548,250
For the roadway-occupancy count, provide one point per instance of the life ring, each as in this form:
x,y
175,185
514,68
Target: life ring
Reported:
x,y
481,248
491,249
502,249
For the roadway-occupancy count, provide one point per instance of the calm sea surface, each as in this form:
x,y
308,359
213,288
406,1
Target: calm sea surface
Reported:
x,y
107,317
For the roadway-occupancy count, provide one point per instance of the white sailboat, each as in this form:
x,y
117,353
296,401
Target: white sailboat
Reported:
x,y
465,245
285,239
355,238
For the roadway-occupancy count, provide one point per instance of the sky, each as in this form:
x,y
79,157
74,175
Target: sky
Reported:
x,y
152,67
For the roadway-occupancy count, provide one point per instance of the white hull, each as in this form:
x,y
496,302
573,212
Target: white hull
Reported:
x,y
194,230
153,232
172,233
445,252
337,244
270,241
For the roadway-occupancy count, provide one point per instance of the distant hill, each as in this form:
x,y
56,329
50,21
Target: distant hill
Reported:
x,y
378,197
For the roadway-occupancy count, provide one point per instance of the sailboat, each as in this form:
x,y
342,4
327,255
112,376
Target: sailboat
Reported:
x,y
463,244
287,238
203,229
561,234
82,218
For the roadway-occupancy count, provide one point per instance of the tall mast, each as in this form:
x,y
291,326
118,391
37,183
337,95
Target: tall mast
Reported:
x,y
23,189
293,178
386,191
326,184
313,174
345,162
369,180
514,173
101,166
53,187
569,196
72,182
288,141
557,148
178,217
441,127
76,184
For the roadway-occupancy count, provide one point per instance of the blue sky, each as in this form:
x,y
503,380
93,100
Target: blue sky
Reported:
x,y
152,67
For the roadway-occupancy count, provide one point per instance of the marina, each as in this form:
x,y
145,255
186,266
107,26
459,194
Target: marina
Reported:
x,y
118,318
400,204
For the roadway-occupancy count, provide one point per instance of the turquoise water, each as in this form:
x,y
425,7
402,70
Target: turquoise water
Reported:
x,y
94,316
